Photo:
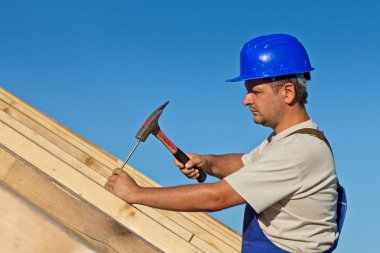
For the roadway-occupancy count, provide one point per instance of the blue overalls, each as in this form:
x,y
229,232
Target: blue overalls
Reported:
x,y
254,239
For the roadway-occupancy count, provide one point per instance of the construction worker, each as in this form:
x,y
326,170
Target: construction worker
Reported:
x,y
288,182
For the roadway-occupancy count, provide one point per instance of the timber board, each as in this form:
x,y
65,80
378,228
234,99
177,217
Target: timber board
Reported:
x,y
60,205
201,227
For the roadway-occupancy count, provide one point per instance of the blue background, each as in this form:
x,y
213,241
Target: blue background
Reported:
x,y
101,67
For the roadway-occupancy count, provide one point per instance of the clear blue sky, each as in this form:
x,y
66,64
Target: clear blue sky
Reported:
x,y
101,67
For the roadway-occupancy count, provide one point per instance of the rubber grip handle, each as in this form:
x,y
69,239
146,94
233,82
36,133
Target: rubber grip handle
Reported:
x,y
183,158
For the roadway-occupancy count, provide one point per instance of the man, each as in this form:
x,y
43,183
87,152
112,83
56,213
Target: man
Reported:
x,y
288,182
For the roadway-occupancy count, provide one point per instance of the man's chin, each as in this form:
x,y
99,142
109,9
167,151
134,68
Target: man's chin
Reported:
x,y
259,121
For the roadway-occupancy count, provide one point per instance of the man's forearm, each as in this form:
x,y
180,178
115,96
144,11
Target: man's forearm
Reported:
x,y
188,198
221,166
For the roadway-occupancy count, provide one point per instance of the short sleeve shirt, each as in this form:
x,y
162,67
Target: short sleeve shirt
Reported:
x,y
290,182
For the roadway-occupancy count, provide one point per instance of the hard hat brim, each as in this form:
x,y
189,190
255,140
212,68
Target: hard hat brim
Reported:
x,y
250,77
236,79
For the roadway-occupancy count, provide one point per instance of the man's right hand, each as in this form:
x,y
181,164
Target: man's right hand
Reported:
x,y
195,161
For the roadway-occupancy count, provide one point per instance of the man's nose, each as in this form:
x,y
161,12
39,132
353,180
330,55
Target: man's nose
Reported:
x,y
247,100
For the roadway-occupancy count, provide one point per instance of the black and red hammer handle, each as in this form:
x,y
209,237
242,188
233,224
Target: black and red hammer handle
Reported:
x,y
179,154
183,158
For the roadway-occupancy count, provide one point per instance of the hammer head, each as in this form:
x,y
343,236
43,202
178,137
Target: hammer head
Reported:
x,y
151,126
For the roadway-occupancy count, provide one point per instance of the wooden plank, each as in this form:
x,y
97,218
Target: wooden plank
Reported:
x,y
88,190
56,127
52,137
214,229
77,216
25,229
58,152
198,223
83,168
161,216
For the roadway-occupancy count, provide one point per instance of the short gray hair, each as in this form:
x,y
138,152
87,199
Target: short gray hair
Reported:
x,y
300,85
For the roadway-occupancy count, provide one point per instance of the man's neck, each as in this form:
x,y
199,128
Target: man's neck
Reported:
x,y
292,118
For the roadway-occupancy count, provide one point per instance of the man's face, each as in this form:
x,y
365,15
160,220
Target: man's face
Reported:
x,y
265,105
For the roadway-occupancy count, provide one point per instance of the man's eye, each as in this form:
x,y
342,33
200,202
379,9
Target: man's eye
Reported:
x,y
253,92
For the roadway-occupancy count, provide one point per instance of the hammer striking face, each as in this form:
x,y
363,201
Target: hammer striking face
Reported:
x,y
151,126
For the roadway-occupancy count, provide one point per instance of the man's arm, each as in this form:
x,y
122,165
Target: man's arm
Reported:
x,y
199,197
218,166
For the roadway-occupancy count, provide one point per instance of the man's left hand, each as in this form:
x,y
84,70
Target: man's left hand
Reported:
x,y
122,185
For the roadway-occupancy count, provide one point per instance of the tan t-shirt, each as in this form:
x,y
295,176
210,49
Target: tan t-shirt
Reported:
x,y
291,183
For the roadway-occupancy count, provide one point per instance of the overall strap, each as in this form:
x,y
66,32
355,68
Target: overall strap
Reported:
x,y
314,132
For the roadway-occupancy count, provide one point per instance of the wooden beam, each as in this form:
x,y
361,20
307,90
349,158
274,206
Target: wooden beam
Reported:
x,y
25,229
86,189
80,166
57,128
77,216
200,224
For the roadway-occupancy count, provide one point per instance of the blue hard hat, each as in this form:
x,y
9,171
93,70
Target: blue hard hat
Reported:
x,y
271,56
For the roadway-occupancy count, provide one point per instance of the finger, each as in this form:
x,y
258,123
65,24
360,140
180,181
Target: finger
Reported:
x,y
110,183
110,189
181,165
193,162
178,164
186,172
190,164
117,171
191,173
108,186
194,174
113,178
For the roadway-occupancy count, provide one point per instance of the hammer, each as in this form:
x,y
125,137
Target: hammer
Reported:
x,y
151,126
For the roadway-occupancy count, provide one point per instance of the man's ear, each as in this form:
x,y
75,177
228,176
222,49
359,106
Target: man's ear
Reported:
x,y
289,93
